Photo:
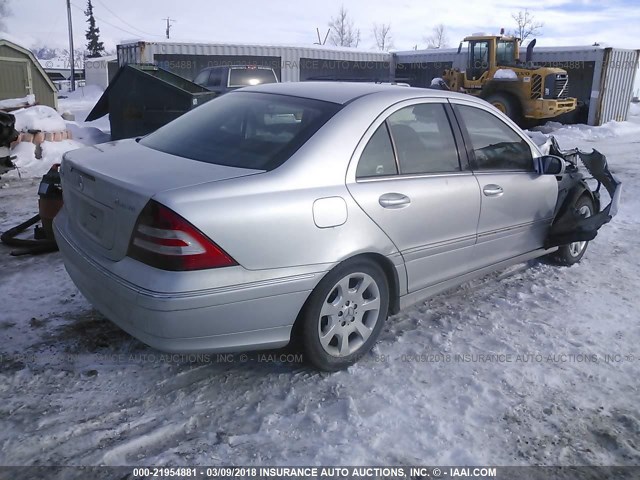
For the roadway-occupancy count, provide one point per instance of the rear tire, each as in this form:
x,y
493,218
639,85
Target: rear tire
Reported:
x,y
344,315
572,253
507,105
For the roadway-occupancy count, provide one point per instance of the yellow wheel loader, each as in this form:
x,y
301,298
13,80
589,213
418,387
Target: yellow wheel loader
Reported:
x,y
519,89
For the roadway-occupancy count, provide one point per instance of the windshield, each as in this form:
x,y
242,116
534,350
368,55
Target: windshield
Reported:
x,y
243,129
241,77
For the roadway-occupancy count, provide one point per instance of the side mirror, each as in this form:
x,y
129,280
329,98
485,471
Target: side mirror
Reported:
x,y
552,165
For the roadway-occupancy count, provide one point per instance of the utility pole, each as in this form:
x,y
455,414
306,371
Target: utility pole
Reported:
x,y
71,52
169,25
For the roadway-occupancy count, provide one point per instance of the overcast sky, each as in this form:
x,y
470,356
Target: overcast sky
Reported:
x,y
566,22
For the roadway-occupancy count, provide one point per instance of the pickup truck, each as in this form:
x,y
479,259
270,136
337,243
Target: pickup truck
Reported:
x,y
225,79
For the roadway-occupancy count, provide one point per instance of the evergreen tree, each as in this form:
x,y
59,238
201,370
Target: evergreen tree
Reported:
x,y
94,46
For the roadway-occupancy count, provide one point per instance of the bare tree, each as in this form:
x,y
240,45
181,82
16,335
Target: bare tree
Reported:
x,y
382,35
526,25
343,33
438,38
5,12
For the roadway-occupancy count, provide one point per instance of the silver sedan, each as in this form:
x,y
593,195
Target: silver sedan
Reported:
x,y
305,210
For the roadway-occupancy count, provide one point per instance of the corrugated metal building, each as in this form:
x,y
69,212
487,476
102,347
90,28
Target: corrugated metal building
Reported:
x,y
291,64
22,75
601,78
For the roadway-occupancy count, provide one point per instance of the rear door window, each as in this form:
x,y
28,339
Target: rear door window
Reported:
x,y
424,140
377,158
243,129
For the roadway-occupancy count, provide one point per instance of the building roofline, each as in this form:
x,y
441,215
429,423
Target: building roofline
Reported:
x,y
33,59
327,48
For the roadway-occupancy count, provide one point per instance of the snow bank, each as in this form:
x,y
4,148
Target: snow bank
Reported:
x,y
538,138
506,74
25,153
44,118
29,166
587,133
80,103
39,117
52,153
17,102
572,134
87,135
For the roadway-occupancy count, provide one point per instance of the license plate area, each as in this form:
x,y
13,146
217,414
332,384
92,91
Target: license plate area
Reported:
x,y
93,219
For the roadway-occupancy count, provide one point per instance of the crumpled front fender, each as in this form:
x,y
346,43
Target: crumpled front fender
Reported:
x,y
568,225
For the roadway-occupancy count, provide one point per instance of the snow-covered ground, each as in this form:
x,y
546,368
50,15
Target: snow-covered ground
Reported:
x,y
80,103
533,365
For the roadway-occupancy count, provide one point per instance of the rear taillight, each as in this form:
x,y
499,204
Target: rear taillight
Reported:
x,y
165,240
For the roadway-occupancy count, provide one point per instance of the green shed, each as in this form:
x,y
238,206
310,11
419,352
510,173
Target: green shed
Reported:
x,y
22,75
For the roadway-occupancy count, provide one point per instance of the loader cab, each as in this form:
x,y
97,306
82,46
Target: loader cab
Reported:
x,y
487,52
507,52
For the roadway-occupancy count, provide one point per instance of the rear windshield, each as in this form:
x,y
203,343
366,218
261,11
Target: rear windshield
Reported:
x,y
241,77
243,129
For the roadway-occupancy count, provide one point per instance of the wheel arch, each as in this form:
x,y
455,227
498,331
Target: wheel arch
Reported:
x,y
580,190
389,269
391,274
594,198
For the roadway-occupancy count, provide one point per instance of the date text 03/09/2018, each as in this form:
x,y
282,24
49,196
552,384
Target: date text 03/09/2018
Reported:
x,y
315,472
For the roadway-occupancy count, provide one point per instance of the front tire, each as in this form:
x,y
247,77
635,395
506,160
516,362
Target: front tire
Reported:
x,y
344,315
572,253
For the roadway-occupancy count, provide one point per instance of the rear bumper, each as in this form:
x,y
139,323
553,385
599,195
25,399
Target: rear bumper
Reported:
x,y
256,316
545,108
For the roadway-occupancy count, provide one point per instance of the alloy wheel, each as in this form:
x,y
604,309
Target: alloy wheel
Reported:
x,y
576,248
349,314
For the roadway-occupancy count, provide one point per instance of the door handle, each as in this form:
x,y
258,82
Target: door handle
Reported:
x,y
492,190
394,200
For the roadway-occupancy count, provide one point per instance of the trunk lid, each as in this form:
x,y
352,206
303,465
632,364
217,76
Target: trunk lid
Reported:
x,y
105,187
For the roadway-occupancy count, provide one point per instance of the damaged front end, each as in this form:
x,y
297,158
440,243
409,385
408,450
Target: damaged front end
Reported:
x,y
569,225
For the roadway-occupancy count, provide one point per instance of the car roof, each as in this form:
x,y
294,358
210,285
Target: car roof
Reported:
x,y
345,92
